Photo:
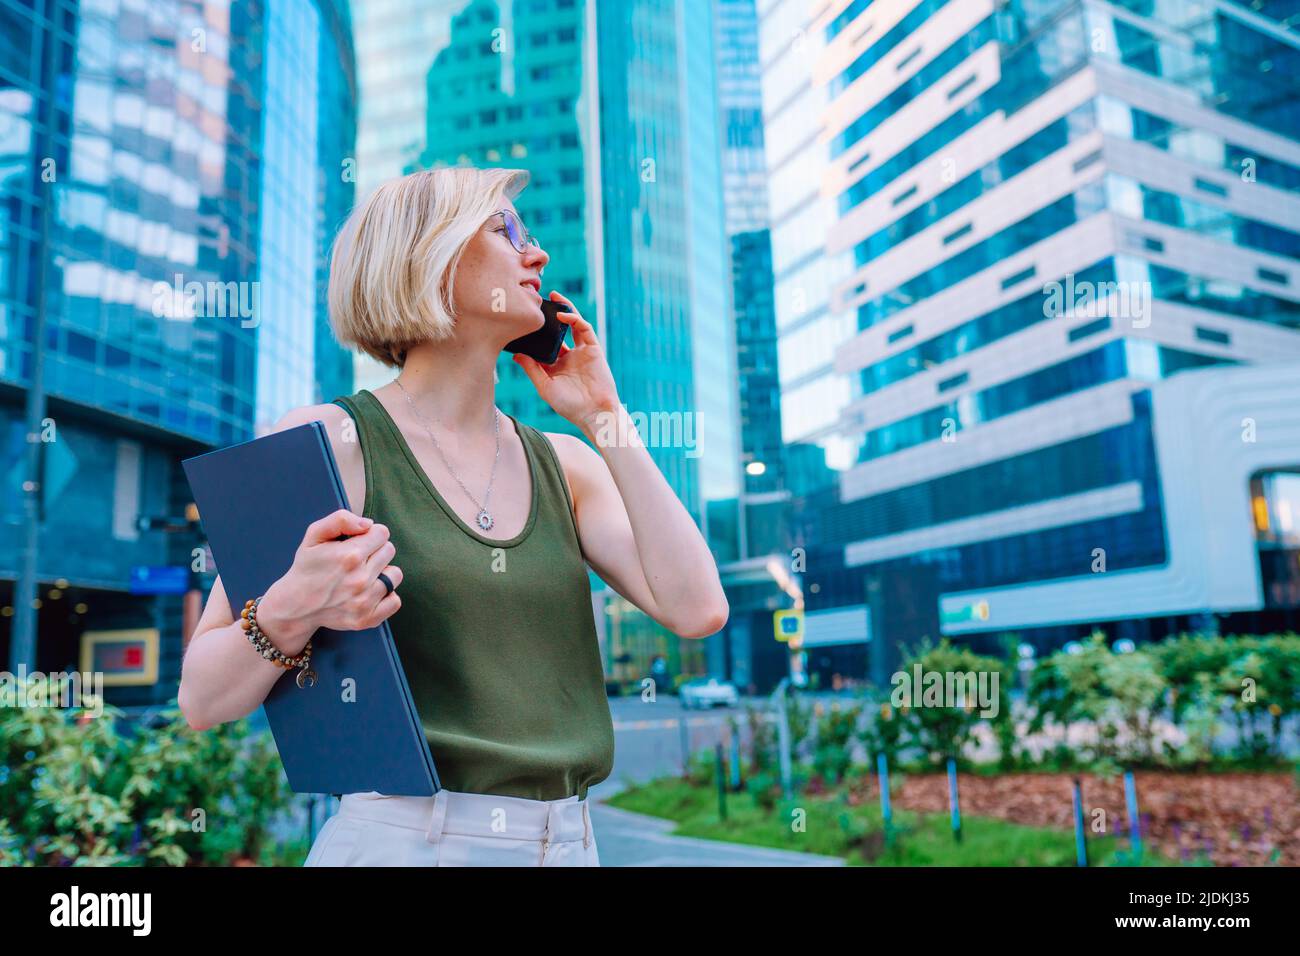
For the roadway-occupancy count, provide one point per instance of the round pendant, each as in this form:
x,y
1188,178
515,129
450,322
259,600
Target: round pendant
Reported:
x,y
306,677
484,520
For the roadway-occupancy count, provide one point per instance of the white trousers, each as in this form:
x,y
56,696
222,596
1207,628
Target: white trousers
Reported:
x,y
453,828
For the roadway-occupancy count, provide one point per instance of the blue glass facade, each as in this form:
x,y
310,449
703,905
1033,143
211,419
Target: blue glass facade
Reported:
x,y
645,185
745,187
507,90
612,109
760,531
666,275
338,98
670,336
309,130
1099,460
1117,359
150,187
287,254
142,219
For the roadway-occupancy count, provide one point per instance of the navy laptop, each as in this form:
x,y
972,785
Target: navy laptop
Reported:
x,y
356,729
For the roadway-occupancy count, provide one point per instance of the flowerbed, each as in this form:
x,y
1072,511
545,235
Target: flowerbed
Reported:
x,y
1231,819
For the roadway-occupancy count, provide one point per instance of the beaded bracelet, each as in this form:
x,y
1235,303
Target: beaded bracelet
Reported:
x,y
262,644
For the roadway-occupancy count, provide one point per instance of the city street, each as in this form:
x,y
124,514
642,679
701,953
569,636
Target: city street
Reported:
x,y
908,394
648,744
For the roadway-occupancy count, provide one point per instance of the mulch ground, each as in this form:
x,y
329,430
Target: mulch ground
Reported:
x,y
1236,819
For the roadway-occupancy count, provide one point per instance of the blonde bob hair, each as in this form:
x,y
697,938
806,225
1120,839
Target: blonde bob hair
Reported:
x,y
394,259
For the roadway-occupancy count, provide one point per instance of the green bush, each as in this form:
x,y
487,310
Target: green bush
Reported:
x,y
799,717
1198,682
762,740
764,787
1281,680
836,733
1187,662
1119,695
703,767
78,791
11,853
1255,679
884,734
944,731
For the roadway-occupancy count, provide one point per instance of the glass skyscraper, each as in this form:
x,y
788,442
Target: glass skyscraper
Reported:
x,y
669,331
397,41
612,108
308,177
1060,333
750,656
163,260
507,91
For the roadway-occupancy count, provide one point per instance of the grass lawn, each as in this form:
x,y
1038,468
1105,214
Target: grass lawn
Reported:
x,y
826,824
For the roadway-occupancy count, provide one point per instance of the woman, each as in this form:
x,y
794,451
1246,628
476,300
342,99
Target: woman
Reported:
x,y
472,538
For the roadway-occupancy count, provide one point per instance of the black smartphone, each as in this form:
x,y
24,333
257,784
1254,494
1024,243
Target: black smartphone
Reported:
x,y
544,344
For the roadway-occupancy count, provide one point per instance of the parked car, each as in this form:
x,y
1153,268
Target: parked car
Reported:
x,y
708,692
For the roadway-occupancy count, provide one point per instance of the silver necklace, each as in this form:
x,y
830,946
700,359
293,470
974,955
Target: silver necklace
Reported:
x,y
484,517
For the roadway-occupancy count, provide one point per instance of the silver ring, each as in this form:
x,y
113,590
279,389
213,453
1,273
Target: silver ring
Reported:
x,y
388,583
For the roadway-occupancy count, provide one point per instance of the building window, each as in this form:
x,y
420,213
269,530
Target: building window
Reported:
x,y
902,64
1089,328
957,90
956,380
1020,276
1214,189
904,195
958,233
1085,161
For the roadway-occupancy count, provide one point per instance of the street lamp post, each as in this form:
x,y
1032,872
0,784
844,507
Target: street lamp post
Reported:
x,y
22,649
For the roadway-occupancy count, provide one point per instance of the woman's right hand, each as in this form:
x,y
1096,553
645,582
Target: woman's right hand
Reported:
x,y
332,583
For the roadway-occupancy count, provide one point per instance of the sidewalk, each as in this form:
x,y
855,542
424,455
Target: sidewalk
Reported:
x,y
625,838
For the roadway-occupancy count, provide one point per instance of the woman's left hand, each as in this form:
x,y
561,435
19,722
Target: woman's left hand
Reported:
x,y
579,386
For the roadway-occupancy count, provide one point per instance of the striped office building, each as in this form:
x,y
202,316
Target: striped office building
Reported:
x,y
1054,372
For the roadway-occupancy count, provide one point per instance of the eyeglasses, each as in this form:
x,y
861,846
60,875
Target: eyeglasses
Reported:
x,y
520,237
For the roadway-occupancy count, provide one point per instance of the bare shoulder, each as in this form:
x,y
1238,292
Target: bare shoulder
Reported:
x,y
577,458
333,417
344,442
327,413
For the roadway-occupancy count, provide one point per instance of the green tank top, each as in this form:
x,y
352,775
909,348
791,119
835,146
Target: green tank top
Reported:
x,y
498,638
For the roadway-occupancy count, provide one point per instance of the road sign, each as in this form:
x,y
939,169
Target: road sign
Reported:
x,y
160,580
788,625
